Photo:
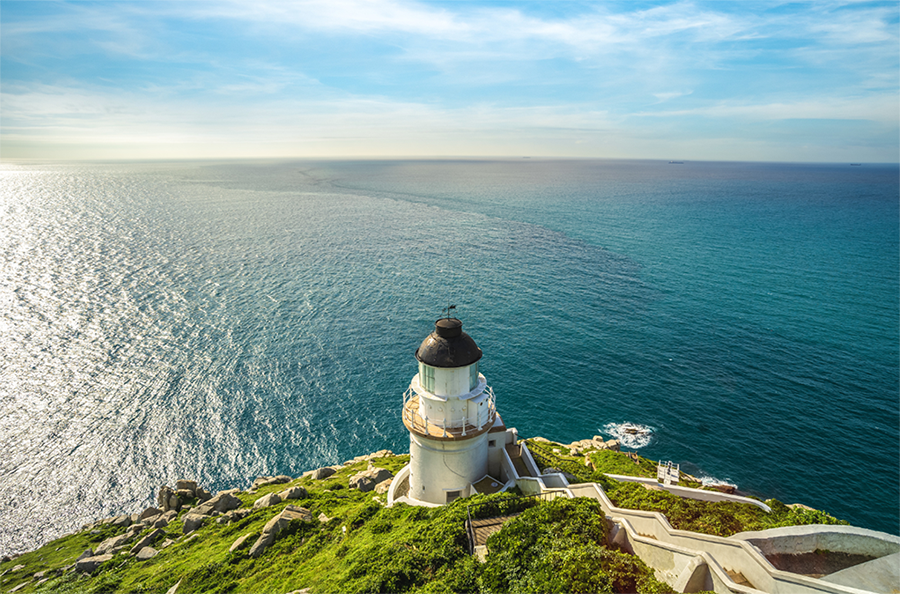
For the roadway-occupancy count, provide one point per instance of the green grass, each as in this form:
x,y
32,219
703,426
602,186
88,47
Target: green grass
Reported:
x,y
557,546
716,518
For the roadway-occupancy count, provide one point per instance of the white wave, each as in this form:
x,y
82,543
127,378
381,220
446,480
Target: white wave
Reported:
x,y
630,435
711,480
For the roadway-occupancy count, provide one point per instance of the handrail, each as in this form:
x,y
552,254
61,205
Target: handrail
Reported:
x,y
411,414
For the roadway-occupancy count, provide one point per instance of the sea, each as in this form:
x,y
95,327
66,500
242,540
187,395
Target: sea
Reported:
x,y
223,320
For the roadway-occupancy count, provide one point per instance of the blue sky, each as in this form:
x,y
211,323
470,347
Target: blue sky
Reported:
x,y
761,81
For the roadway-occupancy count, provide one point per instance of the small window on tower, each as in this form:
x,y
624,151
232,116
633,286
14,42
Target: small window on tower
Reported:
x,y
473,375
426,377
453,495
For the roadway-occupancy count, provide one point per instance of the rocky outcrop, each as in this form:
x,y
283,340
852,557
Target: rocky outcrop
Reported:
x,y
266,501
276,525
262,481
368,479
293,493
193,521
320,473
224,501
89,564
239,543
147,541
146,553
372,456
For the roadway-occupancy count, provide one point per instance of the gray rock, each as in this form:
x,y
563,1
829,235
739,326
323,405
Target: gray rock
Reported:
x,y
293,493
163,498
89,564
276,525
174,502
174,588
17,568
150,512
383,487
372,475
39,575
166,543
193,521
237,544
121,521
364,484
184,494
110,543
202,494
323,518
262,481
85,555
147,540
19,587
160,521
146,553
266,501
184,484
135,518
222,502
322,473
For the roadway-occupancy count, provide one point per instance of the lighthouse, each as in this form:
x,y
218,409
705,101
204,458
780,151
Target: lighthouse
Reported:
x,y
456,437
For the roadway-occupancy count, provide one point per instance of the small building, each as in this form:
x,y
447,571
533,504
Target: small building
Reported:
x,y
456,435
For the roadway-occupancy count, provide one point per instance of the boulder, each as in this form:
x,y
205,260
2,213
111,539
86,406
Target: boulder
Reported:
x,y
184,494
85,555
262,481
222,503
174,588
322,473
149,513
162,498
110,543
121,521
135,518
384,486
186,485
266,501
233,516
160,521
323,518
276,525
146,553
202,494
146,541
613,444
174,502
89,564
166,543
237,544
373,475
193,521
363,483
293,493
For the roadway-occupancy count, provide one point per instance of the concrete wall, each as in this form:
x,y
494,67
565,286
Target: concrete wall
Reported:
x,y
691,493
437,467
672,553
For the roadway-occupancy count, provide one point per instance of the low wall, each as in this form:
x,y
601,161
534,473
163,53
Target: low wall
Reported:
x,y
691,493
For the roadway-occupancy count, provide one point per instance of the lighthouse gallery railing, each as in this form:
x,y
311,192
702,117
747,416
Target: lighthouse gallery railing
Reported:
x,y
415,418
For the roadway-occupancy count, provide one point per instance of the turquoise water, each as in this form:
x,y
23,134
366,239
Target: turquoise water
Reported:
x,y
224,320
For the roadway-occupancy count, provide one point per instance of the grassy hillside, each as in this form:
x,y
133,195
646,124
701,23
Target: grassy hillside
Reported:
x,y
358,545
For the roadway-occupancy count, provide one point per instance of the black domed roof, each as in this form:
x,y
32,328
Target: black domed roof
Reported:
x,y
448,346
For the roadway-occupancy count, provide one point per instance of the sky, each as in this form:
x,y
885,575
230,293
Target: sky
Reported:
x,y
745,81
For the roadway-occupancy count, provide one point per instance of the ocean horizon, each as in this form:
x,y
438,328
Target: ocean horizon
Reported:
x,y
222,320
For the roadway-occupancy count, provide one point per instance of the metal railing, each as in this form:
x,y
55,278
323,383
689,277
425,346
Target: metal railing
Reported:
x,y
413,416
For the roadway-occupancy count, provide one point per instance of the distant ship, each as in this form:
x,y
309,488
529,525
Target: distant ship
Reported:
x,y
676,162
855,164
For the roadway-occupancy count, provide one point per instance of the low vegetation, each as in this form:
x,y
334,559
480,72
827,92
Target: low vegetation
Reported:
x,y
716,518
358,545
362,547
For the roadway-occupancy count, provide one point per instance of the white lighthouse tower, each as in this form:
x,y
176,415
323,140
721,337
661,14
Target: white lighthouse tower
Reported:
x,y
455,434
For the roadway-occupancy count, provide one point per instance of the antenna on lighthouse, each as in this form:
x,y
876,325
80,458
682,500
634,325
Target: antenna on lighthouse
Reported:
x,y
447,309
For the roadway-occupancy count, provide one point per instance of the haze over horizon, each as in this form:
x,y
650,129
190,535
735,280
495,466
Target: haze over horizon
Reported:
x,y
761,81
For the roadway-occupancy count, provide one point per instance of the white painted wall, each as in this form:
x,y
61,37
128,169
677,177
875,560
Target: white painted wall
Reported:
x,y
440,466
451,381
